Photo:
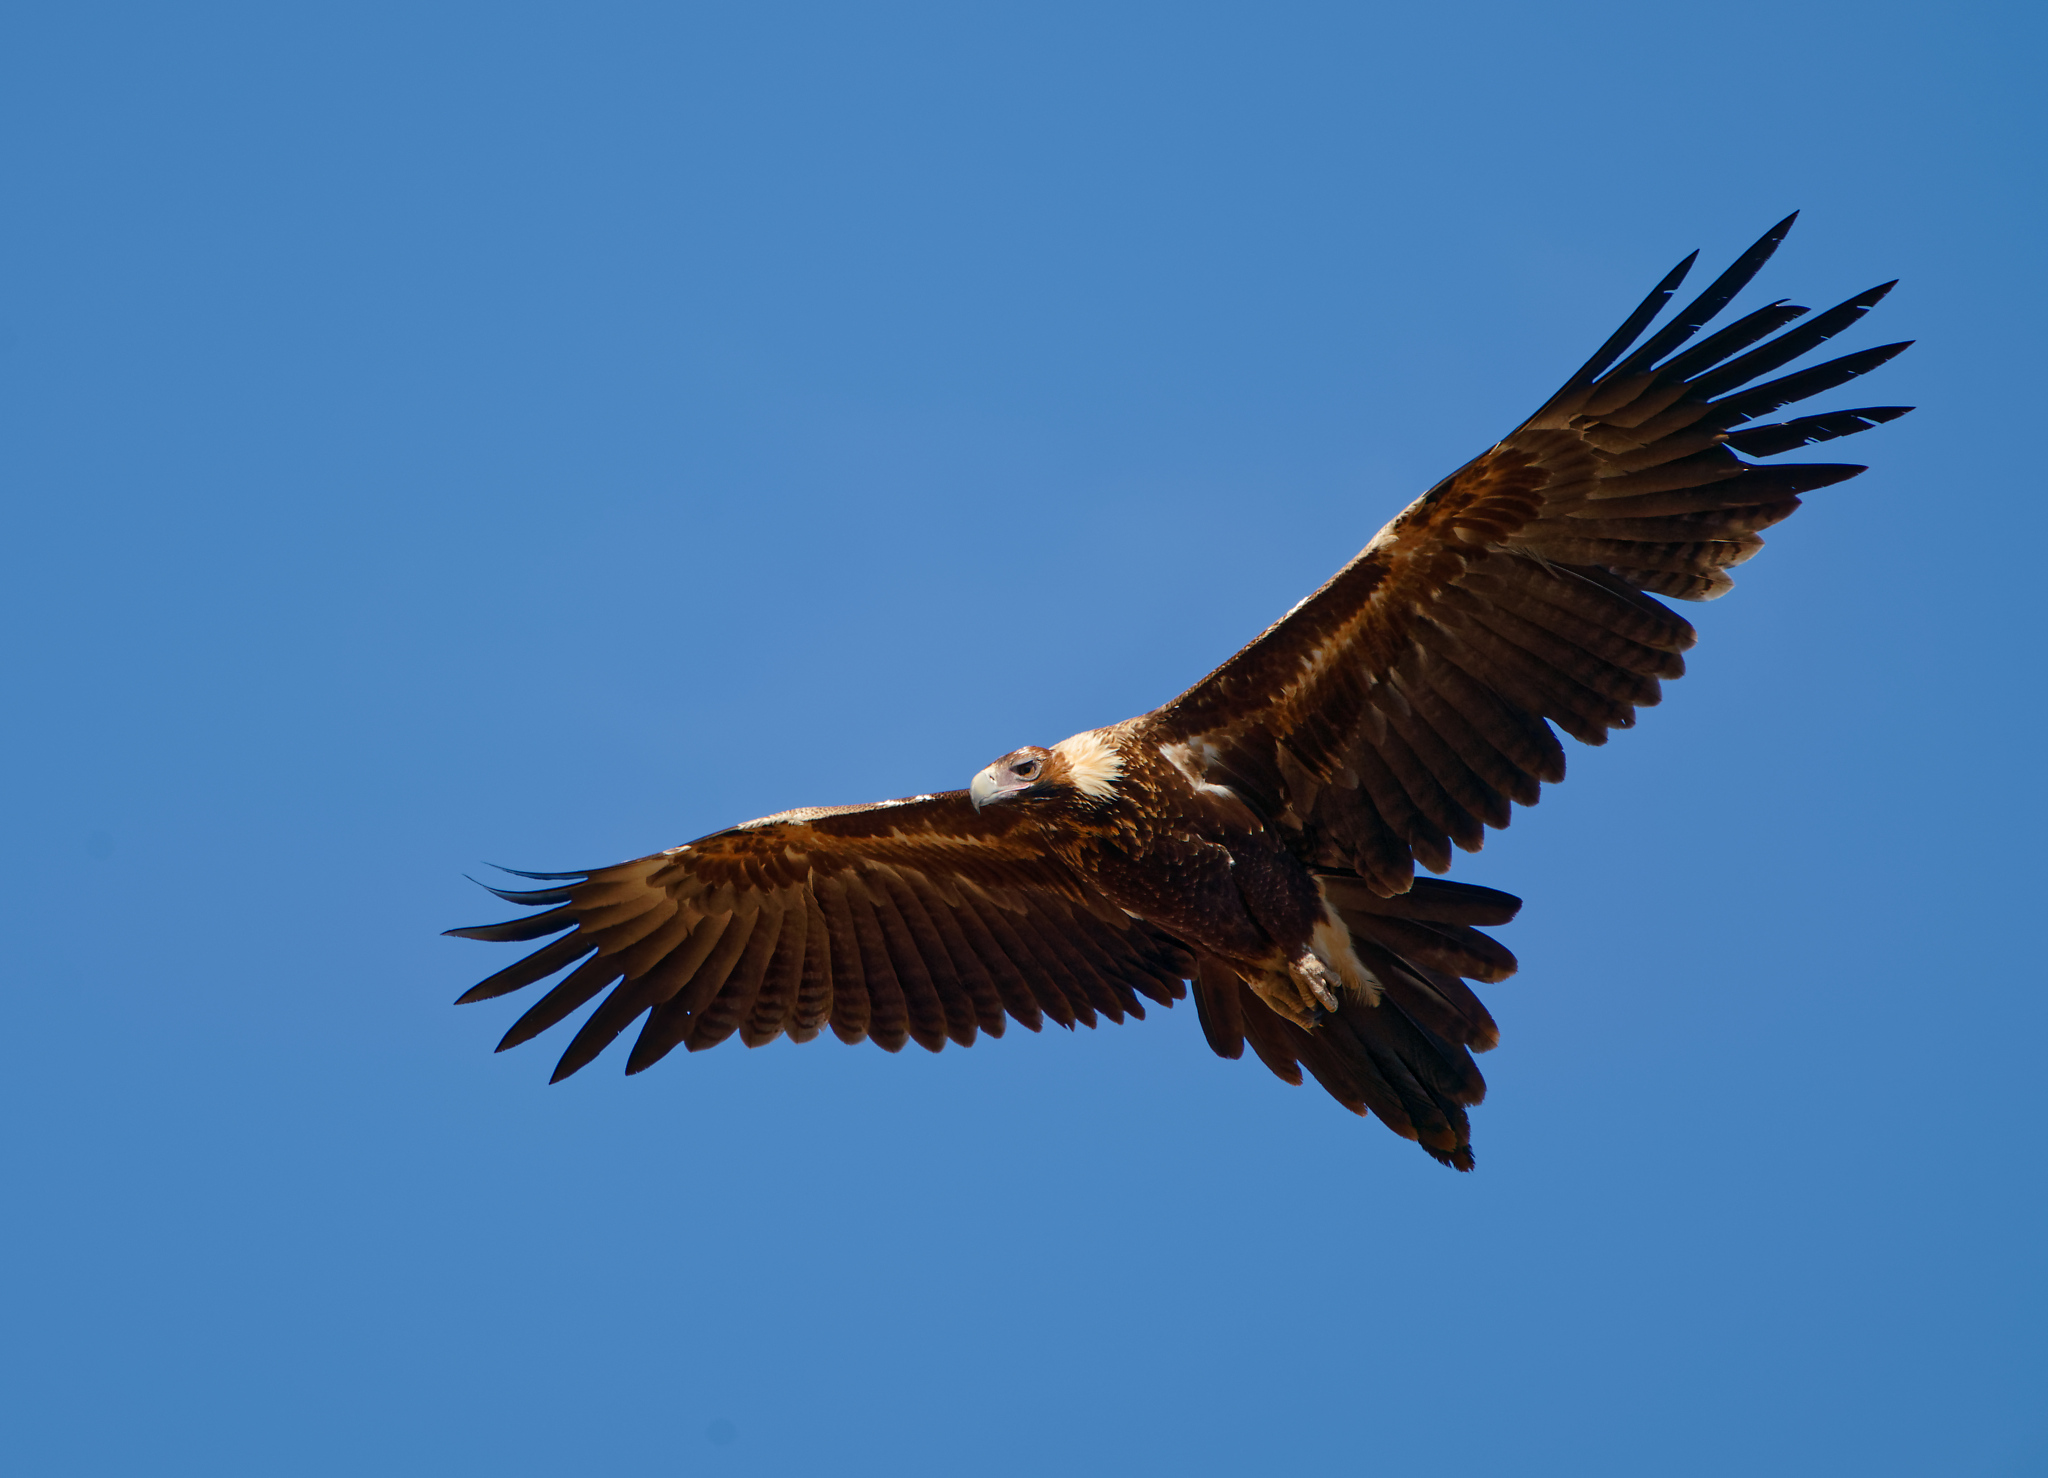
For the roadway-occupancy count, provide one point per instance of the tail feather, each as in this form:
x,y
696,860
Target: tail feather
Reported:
x,y
1376,1060
1216,1003
1440,1001
1408,1059
1433,900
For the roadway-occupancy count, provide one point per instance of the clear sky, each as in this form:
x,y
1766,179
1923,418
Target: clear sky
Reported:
x,y
538,433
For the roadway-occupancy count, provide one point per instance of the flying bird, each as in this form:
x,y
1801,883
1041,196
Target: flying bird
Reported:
x,y
1256,837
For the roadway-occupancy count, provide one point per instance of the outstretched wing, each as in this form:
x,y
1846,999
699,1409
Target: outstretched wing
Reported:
x,y
1408,702
913,920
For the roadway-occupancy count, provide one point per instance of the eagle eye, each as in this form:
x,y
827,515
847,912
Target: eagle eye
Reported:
x,y
1026,769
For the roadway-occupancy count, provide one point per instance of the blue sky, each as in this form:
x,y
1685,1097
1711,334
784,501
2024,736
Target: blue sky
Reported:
x,y
541,434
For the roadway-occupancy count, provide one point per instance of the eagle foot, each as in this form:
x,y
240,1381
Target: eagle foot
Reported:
x,y
1304,992
1319,988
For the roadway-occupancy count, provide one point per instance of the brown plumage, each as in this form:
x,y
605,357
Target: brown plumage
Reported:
x,y
1257,835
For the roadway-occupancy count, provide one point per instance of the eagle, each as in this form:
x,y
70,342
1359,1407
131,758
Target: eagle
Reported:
x,y
1255,838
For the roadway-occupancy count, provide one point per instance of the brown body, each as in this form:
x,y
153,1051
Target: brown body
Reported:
x,y
1258,835
1187,855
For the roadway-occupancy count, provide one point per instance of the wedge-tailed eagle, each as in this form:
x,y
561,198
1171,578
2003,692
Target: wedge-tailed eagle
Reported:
x,y
1257,836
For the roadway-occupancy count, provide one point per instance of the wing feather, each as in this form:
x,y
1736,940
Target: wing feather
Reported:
x,y
729,1009
1057,992
1708,305
1429,843
575,990
536,966
1057,943
1425,677
919,920
934,1013
770,1014
850,1006
816,990
888,1012
973,983
1425,791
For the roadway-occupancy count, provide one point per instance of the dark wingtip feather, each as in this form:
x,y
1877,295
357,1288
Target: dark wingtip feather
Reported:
x,y
516,931
651,1045
1631,328
520,1033
585,1048
1790,479
1757,400
1718,295
1788,346
1784,436
529,897
542,963
583,875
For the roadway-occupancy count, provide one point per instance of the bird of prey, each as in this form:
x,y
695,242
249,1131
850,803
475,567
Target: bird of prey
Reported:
x,y
1256,837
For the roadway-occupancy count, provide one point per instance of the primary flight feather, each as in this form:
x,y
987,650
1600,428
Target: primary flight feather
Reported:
x,y
1257,836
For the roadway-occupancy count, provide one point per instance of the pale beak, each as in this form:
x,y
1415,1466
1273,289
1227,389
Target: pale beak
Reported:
x,y
984,787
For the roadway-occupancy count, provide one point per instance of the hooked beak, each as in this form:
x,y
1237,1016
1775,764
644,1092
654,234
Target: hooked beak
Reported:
x,y
985,787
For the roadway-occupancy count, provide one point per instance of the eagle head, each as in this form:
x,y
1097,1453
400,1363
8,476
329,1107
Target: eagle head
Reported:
x,y
1085,767
1015,774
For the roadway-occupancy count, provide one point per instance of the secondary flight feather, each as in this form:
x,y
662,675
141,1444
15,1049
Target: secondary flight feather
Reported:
x,y
1257,836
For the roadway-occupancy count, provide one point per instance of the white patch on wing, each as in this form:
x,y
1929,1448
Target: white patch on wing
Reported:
x,y
1180,756
815,813
1192,759
1183,758
1094,765
1331,943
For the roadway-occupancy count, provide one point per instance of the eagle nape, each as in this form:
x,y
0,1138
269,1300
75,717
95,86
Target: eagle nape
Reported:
x,y
1257,836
